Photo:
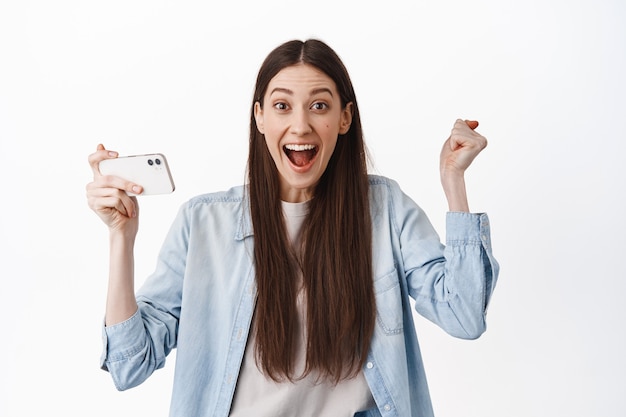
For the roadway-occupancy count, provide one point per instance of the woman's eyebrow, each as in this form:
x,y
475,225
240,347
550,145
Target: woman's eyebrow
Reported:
x,y
281,90
313,92
322,90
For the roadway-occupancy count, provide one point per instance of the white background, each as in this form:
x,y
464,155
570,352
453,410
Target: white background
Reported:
x,y
544,78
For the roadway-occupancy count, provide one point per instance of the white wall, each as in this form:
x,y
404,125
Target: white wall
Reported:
x,y
544,78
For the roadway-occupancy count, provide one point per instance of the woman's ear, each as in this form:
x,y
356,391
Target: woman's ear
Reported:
x,y
258,117
346,118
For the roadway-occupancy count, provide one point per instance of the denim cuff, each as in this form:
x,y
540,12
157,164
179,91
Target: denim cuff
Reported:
x,y
119,340
468,228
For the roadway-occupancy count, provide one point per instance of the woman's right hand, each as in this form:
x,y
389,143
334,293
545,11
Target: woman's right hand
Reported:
x,y
106,196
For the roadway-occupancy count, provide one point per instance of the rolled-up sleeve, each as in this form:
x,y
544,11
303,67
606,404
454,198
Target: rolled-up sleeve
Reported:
x,y
135,348
470,272
452,283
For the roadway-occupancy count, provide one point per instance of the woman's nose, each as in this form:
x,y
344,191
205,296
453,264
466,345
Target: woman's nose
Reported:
x,y
300,123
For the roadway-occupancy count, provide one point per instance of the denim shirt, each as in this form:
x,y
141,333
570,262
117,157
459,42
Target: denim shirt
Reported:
x,y
201,300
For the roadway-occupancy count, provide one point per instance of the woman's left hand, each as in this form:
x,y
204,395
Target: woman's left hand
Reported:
x,y
457,154
463,145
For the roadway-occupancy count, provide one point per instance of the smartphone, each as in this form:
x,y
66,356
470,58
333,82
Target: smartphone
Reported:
x,y
151,171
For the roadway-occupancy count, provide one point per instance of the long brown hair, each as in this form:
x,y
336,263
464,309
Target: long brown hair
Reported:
x,y
336,242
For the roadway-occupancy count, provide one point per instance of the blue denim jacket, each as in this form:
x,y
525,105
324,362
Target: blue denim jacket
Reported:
x,y
201,299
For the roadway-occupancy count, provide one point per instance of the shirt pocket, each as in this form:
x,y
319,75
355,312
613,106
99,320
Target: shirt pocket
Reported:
x,y
389,303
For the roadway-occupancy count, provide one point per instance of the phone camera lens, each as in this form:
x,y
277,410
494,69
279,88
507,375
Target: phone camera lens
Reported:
x,y
150,162
158,161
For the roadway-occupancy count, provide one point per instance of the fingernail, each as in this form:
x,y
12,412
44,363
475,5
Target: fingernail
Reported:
x,y
136,189
112,154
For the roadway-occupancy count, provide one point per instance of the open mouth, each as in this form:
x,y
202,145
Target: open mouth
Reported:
x,y
300,155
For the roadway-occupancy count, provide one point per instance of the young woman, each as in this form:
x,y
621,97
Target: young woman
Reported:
x,y
289,296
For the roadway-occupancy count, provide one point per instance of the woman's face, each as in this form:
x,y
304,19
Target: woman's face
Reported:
x,y
301,119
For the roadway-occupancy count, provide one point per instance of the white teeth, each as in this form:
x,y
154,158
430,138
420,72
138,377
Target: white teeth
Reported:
x,y
294,147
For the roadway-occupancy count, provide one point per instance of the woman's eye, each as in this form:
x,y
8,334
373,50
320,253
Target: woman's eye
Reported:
x,y
280,106
319,106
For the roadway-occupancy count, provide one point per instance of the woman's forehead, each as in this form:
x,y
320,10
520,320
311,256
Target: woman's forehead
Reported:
x,y
301,77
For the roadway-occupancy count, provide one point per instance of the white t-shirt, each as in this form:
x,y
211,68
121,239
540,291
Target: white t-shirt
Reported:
x,y
260,396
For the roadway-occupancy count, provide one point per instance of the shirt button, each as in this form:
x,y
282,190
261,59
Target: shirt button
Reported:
x,y
369,365
387,407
